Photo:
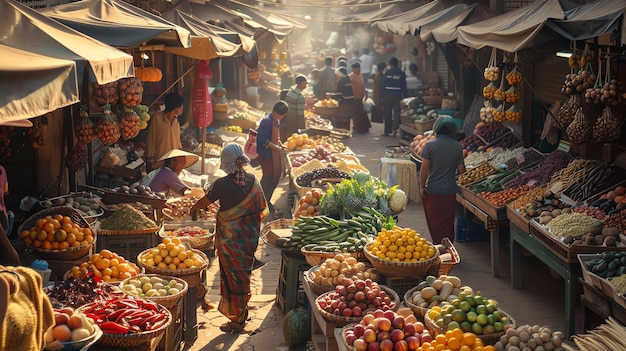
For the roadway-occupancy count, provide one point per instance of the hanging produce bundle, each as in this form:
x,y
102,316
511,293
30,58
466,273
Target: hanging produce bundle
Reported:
x,y
607,128
130,123
498,113
130,91
579,131
148,74
593,94
108,130
578,83
38,132
612,92
106,93
486,112
492,72
512,94
142,112
489,90
85,130
568,111
514,77
76,159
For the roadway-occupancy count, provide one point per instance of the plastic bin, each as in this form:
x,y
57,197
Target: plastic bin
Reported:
x,y
468,230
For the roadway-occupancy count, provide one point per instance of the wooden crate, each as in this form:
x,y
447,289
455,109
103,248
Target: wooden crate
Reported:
x,y
517,219
129,245
174,333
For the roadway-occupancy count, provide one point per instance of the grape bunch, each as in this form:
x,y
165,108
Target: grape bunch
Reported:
x,y
329,172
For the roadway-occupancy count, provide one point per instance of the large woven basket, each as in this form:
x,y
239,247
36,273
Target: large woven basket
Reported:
x,y
168,301
343,335
174,272
281,223
196,242
419,312
487,339
71,253
315,258
112,197
341,321
134,339
445,267
309,276
400,269
325,111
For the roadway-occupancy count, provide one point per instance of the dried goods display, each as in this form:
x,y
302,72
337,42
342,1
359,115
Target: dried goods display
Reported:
x,y
590,181
107,129
387,330
318,153
611,202
543,203
502,197
180,209
130,91
476,174
85,203
355,298
590,211
607,128
493,183
571,224
127,218
71,329
328,172
189,231
106,93
107,265
608,336
85,129
333,271
531,338
542,174
77,291
567,112
127,315
434,291
138,190
520,161
130,123
171,254
471,143
333,144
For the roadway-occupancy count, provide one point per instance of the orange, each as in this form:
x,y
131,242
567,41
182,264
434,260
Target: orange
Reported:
x,y
465,348
71,238
107,271
166,240
55,245
42,235
175,240
50,236
115,272
66,220
454,343
37,243
46,245
182,266
64,245
171,266
58,217
123,267
48,226
182,255
89,239
87,231
106,278
79,236
60,235
103,263
40,222
170,246
105,253
489,348
56,223
440,339
67,227
175,261
124,275
458,334
161,246
114,261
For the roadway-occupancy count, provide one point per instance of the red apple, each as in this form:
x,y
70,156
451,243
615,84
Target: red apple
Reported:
x,y
419,327
386,345
350,339
359,296
352,303
426,337
379,313
342,305
367,319
351,289
356,311
386,308
347,312
336,311
369,335
390,315
397,334
358,330
372,326
341,290
409,329
360,345
384,324
398,322
401,346
373,346
383,335
371,295
412,342
360,284
387,301
368,282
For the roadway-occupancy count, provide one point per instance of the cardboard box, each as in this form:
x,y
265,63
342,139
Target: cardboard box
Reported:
x,y
274,234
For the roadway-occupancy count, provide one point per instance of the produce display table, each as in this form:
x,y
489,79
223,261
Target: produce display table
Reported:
x,y
570,271
323,332
597,302
493,224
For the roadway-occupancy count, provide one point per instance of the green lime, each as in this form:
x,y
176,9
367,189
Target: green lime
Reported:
x,y
482,319
477,329
498,314
439,323
458,315
491,319
478,299
466,326
447,318
464,306
470,300
497,326
453,325
462,296
471,316
481,309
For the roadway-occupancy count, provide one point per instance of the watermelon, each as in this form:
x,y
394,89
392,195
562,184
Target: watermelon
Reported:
x,y
297,327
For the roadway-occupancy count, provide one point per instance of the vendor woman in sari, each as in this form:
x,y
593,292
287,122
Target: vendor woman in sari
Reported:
x,y
242,209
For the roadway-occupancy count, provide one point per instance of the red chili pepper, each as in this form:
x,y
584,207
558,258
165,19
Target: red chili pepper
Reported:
x,y
154,318
126,304
135,321
115,315
156,324
141,313
135,329
149,305
112,326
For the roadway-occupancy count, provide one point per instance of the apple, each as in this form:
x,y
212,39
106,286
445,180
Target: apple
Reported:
x,y
412,342
390,315
419,327
341,290
61,318
373,346
350,338
358,330
378,301
379,313
382,335
367,319
386,345
386,308
426,337
359,296
351,289
371,295
409,329
334,304
372,326
347,312
360,345
398,322
342,305
369,335
356,311
401,345
360,284
397,334
384,324
368,282
352,303
387,301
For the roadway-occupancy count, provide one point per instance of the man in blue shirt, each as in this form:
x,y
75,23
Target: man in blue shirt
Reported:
x,y
394,90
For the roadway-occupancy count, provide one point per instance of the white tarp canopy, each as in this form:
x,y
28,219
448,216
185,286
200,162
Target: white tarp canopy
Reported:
x,y
444,30
516,29
399,24
32,85
28,30
414,27
590,20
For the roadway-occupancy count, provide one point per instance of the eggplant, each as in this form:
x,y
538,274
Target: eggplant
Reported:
x,y
598,202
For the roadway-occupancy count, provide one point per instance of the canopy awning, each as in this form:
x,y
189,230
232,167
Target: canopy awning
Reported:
x,y
28,30
590,20
516,29
399,24
32,85
445,30
119,23
440,17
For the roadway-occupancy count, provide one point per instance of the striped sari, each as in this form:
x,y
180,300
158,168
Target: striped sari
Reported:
x,y
237,237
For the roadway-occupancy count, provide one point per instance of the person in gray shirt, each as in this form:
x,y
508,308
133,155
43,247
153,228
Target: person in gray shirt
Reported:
x,y
442,161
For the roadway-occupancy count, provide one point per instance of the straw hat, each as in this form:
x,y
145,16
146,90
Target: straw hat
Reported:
x,y
190,158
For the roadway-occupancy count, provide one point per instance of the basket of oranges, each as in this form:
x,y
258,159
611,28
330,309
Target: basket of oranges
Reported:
x,y
106,264
401,252
58,233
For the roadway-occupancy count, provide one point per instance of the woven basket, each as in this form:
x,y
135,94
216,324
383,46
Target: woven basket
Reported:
x,y
315,258
129,232
134,339
175,272
341,321
71,253
445,267
318,289
168,301
400,269
420,312
112,197
434,101
325,111
487,339
282,223
196,242
343,335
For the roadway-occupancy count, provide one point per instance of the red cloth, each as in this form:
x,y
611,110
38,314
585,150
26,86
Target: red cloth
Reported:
x,y
440,211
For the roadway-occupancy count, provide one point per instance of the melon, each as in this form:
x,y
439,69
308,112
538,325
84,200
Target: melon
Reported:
x,y
297,327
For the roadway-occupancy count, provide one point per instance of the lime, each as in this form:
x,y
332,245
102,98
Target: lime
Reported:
x,y
488,329
439,323
447,318
498,314
449,309
467,326
458,315
453,325
482,319
491,319
478,299
462,296
497,326
464,306
477,329
491,307
470,300
471,316
481,309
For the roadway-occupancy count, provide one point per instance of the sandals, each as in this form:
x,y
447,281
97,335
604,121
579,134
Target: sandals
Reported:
x,y
231,327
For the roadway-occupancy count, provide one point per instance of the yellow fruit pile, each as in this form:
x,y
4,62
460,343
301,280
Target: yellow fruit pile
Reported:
x,y
455,340
108,265
299,142
56,232
171,254
327,103
401,245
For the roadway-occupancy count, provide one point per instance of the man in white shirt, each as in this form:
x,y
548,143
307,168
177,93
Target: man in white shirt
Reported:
x,y
367,61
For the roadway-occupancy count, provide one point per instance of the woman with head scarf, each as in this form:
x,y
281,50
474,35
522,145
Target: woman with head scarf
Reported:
x,y
242,209
442,161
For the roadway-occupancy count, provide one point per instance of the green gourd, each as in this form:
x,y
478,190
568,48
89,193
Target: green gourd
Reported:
x,y
297,327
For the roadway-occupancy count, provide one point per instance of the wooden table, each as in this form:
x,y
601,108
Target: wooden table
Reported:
x,y
570,271
493,225
322,331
